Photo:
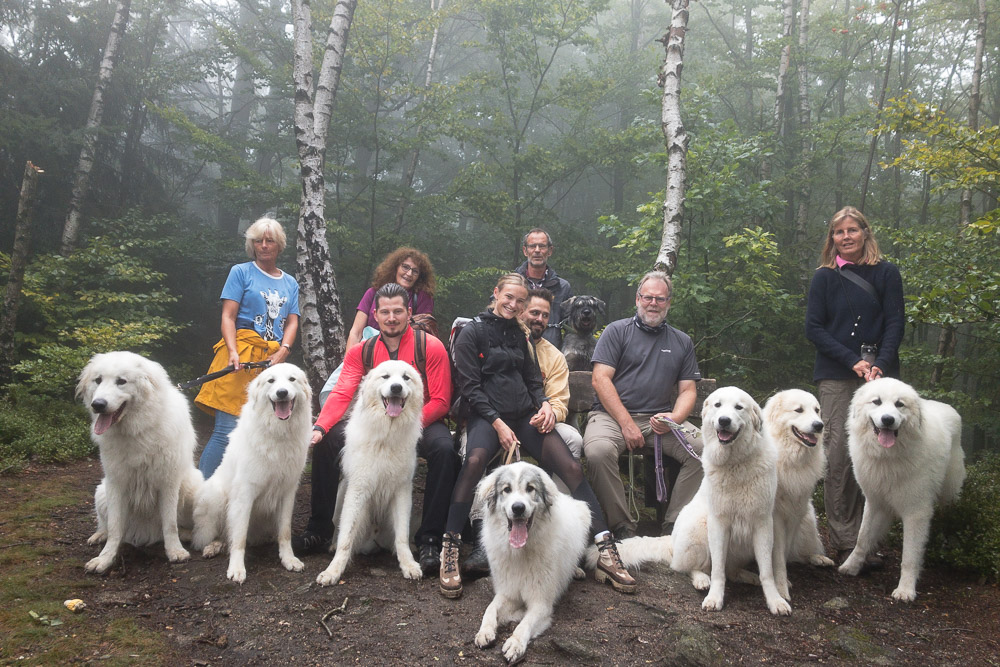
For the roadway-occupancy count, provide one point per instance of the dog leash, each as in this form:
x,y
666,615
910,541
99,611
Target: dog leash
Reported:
x,y
513,454
217,374
678,431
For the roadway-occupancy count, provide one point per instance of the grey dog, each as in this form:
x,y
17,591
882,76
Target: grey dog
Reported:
x,y
581,320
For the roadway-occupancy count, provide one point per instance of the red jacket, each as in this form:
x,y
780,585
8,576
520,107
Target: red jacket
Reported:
x,y
437,384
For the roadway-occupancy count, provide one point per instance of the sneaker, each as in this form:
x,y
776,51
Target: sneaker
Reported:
x,y
477,564
610,567
311,543
451,579
429,557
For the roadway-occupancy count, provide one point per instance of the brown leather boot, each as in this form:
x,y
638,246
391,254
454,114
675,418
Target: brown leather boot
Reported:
x,y
451,578
610,567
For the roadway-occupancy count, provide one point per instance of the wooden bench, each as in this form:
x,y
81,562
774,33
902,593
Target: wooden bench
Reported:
x,y
581,399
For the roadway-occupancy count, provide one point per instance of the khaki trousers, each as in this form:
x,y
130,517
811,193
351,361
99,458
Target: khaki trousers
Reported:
x,y
603,444
841,493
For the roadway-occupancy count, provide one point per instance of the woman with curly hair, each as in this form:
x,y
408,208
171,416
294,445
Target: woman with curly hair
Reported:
x,y
408,267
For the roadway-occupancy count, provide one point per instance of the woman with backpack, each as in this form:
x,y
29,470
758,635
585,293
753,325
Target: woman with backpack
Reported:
x,y
500,383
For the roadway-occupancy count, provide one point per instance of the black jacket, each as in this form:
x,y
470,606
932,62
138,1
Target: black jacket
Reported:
x,y
495,372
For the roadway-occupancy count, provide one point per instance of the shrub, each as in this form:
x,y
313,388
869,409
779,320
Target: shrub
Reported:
x,y
40,430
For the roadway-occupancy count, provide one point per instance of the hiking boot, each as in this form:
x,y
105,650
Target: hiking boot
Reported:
x,y
429,557
311,543
451,579
610,567
477,564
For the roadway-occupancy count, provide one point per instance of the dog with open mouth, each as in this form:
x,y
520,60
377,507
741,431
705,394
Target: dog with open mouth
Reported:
x,y
141,424
378,461
535,540
250,497
907,457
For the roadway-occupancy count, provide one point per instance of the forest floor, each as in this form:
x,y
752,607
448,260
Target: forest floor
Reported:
x,y
147,611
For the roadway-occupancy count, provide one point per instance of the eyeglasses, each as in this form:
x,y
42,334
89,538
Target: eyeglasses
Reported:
x,y
648,299
406,268
536,246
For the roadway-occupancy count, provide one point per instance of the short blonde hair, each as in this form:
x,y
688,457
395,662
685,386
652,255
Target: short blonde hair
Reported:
x,y
262,228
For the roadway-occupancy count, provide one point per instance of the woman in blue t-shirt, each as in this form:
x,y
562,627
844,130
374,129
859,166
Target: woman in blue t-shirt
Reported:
x,y
260,319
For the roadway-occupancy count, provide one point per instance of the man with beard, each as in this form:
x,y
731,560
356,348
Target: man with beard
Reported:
x,y
537,248
638,363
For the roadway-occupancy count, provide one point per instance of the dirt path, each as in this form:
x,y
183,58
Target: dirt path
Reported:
x,y
201,618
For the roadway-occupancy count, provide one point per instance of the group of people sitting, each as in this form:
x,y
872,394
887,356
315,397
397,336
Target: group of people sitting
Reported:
x,y
511,381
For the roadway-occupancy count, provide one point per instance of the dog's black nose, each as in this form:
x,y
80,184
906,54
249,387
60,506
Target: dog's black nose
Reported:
x,y
396,388
818,427
517,509
282,394
99,405
725,421
888,420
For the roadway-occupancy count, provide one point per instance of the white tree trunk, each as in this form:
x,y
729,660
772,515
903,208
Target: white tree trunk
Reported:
x,y
81,180
675,136
975,97
322,331
784,63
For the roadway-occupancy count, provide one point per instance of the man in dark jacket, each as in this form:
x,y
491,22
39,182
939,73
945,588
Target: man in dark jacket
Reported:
x,y
537,247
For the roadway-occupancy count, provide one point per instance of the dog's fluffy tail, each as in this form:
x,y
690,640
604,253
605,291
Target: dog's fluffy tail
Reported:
x,y
638,550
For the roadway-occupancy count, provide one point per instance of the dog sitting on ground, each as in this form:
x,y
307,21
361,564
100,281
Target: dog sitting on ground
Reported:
x,y
907,456
250,497
535,538
792,419
378,463
730,521
142,428
581,320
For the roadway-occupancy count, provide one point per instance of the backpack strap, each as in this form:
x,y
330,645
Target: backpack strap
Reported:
x,y
420,352
368,353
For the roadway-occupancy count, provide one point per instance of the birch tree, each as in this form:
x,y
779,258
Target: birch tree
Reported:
x,y
81,179
675,136
322,330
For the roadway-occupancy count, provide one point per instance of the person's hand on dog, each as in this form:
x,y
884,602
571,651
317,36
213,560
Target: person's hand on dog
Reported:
x,y
544,420
507,437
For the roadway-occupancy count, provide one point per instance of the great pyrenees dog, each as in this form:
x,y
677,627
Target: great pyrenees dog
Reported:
x,y
535,539
907,456
730,521
378,462
250,496
142,428
792,419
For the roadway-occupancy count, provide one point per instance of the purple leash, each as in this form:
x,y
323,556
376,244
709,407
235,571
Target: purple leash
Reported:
x,y
661,486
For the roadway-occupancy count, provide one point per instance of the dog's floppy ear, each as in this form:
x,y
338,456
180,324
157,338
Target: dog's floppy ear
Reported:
x,y
602,307
755,416
86,377
567,303
486,491
547,489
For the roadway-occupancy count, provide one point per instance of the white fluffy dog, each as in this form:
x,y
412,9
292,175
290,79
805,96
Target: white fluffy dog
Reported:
x,y
792,419
730,521
535,538
142,427
250,496
378,463
907,456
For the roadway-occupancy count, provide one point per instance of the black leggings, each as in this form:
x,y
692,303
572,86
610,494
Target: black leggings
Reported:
x,y
548,449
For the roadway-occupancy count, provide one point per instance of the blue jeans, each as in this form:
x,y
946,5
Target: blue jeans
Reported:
x,y
211,456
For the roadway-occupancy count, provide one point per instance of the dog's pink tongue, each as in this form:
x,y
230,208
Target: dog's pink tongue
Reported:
x,y
886,437
394,406
283,409
518,533
103,423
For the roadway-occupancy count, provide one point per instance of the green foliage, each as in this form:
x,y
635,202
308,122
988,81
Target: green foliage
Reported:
x,y
41,430
966,534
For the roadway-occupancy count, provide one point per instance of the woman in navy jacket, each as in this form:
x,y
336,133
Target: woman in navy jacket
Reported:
x,y
855,319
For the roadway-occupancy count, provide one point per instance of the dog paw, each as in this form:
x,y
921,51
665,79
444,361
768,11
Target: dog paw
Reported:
x,y
779,607
579,574
486,638
852,566
98,564
513,649
904,594
212,549
98,537
328,577
701,581
712,602
411,570
237,573
178,555
819,560
292,564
